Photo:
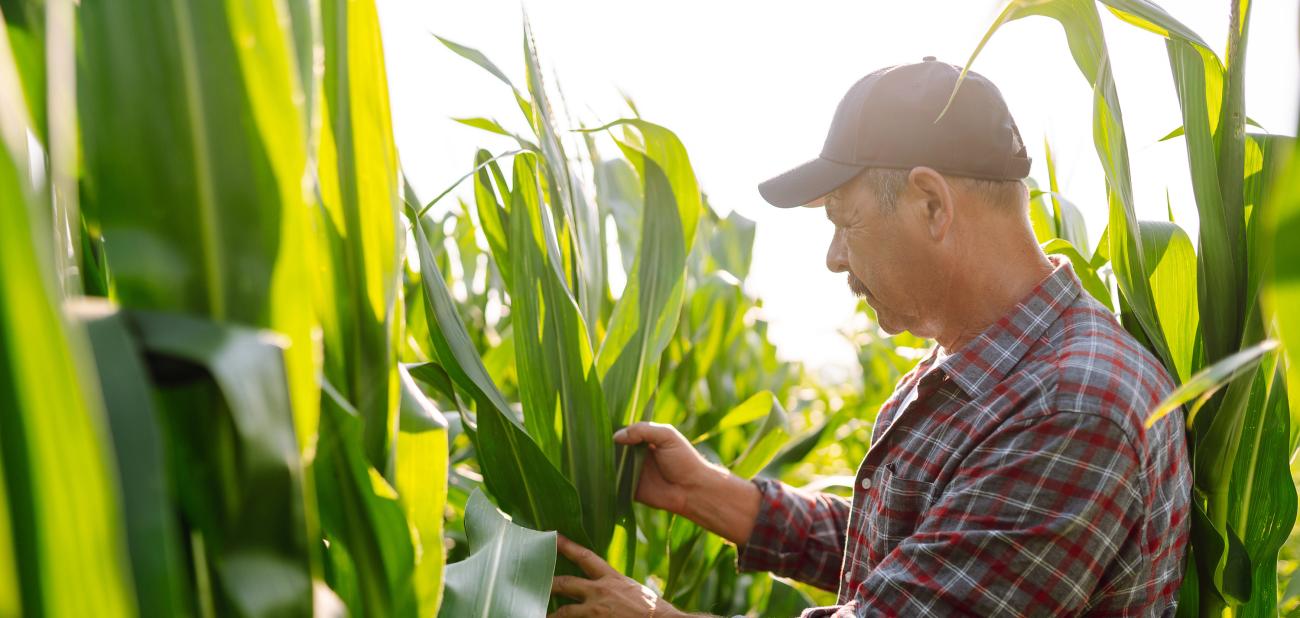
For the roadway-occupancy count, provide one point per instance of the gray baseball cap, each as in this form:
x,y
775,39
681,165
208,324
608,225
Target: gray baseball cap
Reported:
x,y
892,118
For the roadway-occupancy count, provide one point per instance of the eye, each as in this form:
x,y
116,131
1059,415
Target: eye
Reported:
x,y
831,217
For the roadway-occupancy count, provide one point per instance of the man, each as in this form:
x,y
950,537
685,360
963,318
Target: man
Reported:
x,y
1010,472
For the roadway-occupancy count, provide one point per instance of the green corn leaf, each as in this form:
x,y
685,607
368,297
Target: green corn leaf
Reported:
x,y
477,57
492,126
618,190
1067,219
516,471
1282,282
209,97
1211,97
554,360
493,218
578,230
508,572
715,314
1221,224
157,556
1220,558
235,438
421,483
732,245
61,547
1180,131
1265,156
1040,213
363,520
770,437
1263,497
1219,438
756,407
358,172
434,375
646,314
487,124
1171,264
25,46
1210,379
1092,282
784,599
1151,17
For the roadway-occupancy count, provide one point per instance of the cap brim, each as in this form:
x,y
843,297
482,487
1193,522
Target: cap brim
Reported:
x,y
806,182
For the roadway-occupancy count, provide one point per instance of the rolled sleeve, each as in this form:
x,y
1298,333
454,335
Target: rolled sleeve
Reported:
x,y
1035,517
798,534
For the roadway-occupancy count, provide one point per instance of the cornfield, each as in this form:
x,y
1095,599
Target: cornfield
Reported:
x,y
246,370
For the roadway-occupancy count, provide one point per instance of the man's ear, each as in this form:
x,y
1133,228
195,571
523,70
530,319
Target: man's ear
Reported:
x,y
936,197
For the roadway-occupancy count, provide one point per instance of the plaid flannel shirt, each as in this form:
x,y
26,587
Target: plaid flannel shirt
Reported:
x,y
1020,481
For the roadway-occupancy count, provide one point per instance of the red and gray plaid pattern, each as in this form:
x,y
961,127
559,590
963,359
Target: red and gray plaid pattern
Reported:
x,y
1019,482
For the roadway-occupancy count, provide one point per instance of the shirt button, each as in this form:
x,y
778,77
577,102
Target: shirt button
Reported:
x,y
866,484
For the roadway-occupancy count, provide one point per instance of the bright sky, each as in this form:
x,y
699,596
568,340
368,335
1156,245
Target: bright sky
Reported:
x,y
750,88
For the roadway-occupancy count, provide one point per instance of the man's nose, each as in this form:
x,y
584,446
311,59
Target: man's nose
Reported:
x,y
837,257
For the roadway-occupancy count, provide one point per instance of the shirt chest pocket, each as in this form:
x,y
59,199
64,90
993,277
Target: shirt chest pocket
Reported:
x,y
899,505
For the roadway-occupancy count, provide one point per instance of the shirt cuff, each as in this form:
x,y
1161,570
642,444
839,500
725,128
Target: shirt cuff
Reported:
x,y
762,551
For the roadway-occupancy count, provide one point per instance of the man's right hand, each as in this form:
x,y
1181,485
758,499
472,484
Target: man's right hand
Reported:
x,y
676,478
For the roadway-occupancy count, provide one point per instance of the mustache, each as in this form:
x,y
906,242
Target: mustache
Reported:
x,y
856,286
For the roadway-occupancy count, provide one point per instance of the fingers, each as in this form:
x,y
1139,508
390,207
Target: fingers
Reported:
x,y
572,587
591,564
653,434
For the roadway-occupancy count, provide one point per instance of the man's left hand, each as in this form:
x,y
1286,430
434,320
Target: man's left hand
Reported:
x,y
607,592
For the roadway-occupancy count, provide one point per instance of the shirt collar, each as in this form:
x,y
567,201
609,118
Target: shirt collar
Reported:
x,y
985,360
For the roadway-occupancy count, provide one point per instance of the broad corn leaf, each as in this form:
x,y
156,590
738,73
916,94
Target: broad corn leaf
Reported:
x,y
554,359
421,483
1263,501
234,436
646,315
207,214
63,552
508,571
360,192
363,520
1171,264
516,471
153,536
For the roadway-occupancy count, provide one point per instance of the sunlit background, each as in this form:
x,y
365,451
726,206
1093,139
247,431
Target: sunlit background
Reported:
x,y
750,88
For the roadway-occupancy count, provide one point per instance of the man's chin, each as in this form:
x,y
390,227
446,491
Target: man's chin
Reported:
x,y
884,319
889,326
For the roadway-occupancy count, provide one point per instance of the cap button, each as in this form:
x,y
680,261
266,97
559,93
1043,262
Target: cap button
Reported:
x,y
929,59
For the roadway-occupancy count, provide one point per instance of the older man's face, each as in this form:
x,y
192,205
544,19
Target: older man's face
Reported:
x,y
885,257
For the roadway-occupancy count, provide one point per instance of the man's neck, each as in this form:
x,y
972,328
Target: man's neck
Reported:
x,y
981,295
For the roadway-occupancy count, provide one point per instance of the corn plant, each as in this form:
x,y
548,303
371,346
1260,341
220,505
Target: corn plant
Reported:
x,y
261,451
58,505
674,346
1198,309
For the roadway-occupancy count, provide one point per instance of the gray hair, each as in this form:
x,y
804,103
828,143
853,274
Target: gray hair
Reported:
x,y
886,184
